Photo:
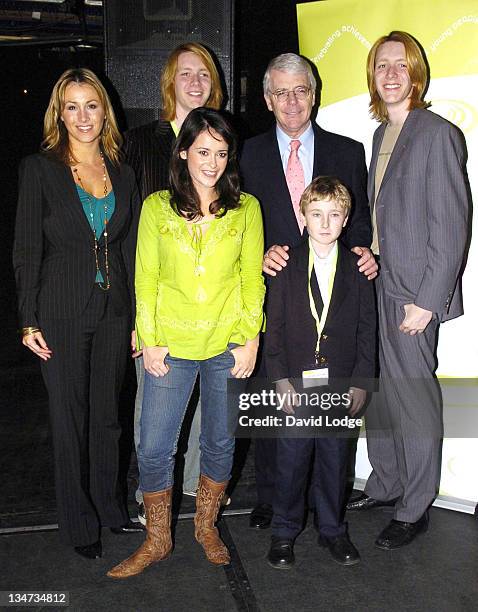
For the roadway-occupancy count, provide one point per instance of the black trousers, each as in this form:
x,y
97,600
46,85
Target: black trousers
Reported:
x,y
327,487
83,378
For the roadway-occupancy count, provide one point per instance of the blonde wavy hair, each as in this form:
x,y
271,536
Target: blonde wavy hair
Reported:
x,y
168,96
55,135
417,70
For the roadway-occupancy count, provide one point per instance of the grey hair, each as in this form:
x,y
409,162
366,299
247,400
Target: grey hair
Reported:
x,y
292,63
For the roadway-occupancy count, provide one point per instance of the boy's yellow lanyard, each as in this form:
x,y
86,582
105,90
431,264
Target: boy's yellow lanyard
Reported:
x,y
320,322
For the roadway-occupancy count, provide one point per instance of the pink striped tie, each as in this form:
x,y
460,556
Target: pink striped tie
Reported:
x,y
294,176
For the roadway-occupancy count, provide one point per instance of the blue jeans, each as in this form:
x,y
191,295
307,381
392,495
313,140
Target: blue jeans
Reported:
x,y
164,406
192,455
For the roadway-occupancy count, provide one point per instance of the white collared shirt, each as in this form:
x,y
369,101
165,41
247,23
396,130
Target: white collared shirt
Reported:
x,y
305,152
323,267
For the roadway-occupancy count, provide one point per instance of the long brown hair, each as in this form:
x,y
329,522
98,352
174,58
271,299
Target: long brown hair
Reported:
x,y
184,197
55,135
168,96
417,70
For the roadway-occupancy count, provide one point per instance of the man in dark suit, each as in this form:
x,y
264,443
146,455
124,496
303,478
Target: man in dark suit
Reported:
x,y
320,323
418,191
289,92
189,80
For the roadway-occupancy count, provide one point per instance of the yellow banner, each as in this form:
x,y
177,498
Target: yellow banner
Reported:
x,y
337,35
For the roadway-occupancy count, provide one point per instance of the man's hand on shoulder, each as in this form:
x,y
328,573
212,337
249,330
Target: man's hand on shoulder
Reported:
x,y
416,319
367,264
275,258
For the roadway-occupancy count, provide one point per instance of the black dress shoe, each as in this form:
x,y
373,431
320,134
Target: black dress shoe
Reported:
x,y
365,502
281,554
400,533
341,549
261,517
90,551
128,527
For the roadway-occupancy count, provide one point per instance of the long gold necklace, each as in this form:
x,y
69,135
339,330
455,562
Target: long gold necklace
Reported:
x,y
92,223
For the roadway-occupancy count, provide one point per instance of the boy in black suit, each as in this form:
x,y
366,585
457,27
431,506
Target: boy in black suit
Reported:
x,y
321,325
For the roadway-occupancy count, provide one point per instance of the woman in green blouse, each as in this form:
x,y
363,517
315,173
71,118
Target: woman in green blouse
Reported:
x,y
199,293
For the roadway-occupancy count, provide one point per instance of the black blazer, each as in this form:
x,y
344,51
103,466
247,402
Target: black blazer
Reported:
x,y
147,150
334,155
348,340
53,253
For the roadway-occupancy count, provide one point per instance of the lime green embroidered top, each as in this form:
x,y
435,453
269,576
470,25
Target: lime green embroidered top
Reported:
x,y
196,293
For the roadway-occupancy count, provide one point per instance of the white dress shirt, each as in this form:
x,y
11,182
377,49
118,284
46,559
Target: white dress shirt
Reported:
x,y
323,267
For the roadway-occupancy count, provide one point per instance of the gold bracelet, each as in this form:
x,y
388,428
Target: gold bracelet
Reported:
x,y
28,331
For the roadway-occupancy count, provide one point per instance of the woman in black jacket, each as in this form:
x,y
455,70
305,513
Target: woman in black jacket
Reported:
x,y
74,263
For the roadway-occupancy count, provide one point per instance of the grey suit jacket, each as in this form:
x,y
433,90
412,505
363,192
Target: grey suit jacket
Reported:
x,y
422,214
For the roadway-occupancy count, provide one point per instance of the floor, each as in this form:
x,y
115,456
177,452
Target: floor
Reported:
x,y
436,573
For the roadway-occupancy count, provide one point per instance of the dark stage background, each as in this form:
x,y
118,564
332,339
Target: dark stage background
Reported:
x,y
28,71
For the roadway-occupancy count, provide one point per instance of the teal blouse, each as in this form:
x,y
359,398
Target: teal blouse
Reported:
x,y
94,209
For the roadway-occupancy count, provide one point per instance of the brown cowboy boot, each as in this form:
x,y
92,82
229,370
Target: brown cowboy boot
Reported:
x,y
208,500
158,543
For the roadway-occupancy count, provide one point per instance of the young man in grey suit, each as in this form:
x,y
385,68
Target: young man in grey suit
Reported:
x,y
417,191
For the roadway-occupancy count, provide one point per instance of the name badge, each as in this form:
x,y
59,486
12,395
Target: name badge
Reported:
x,y
315,378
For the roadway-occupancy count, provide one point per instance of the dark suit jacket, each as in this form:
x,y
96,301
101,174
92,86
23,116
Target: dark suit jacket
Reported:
x,y
423,213
148,151
334,155
349,335
53,253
